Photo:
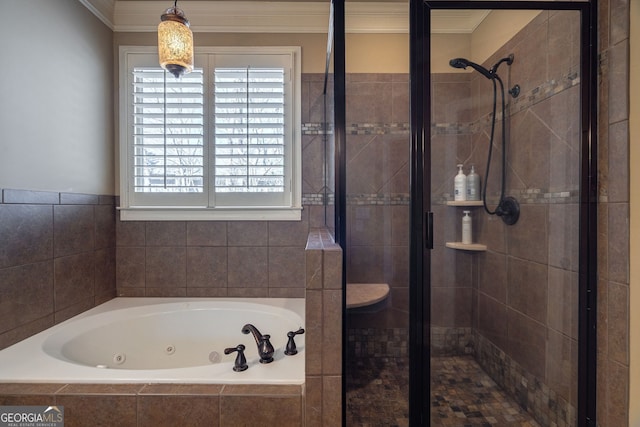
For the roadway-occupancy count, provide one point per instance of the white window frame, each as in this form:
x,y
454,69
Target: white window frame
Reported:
x,y
166,206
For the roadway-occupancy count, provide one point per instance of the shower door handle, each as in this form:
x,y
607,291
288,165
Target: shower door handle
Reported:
x,y
428,222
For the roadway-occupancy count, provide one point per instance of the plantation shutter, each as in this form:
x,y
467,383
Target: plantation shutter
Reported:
x,y
222,142
249,130
168,140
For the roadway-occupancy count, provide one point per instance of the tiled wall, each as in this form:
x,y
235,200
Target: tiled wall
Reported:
x,y
528,283
613,214
377,231
57,258
378,190
212,259
519,297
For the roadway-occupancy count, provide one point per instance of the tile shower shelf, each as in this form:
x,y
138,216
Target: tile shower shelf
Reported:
x,y
476,247
464,203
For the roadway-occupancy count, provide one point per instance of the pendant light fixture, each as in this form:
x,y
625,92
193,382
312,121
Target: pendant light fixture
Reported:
x,y
175,42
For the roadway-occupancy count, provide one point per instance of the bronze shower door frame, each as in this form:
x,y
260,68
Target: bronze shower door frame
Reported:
x,y
422,217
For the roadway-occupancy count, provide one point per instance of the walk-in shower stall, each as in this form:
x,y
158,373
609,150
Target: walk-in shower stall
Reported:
x,y
499,330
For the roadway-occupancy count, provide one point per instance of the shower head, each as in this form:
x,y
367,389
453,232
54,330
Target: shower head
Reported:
x,y
464,63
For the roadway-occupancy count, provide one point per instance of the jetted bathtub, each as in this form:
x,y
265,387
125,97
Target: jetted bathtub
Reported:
x,y
162,340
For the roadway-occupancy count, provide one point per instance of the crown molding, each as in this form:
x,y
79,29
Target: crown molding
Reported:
x,y
277,17
264,16
227,16
458,21
102,9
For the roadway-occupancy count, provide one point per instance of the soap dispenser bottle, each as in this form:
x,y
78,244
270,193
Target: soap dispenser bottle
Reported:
x,y
466,228
460,185
473,185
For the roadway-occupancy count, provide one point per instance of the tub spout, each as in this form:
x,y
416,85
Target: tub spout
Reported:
x,y
265,349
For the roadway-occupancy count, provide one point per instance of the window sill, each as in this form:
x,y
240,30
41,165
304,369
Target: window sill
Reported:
x,y
210,214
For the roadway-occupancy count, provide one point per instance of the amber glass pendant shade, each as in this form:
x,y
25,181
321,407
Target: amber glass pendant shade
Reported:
x,y
175,42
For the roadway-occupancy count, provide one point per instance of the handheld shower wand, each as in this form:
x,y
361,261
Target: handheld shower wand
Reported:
x,y
464,63
508,208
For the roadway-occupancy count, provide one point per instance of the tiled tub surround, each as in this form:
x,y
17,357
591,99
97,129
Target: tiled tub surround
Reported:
x,y
520,297
153,405
323,307
150,403
316,403
211,258
57,258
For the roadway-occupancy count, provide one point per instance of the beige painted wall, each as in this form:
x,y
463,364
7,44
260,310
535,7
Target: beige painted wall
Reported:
x,y
634,215
445,47
313,46
57,99
494,31
497,29
366,53
377,53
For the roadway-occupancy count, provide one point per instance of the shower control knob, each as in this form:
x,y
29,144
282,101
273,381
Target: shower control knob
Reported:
x,y
291,344
241,361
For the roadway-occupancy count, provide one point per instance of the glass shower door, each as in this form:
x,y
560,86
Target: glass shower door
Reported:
x,y
377,158
507,101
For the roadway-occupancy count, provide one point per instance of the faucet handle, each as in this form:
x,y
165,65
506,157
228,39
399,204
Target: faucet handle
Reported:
x,y
291,344
241,361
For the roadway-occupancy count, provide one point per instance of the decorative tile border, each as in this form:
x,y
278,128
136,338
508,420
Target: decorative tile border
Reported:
x,y
379,199
536,95
379,129
524,196
392,199
317,129
358,129
451,129
545,90
313,199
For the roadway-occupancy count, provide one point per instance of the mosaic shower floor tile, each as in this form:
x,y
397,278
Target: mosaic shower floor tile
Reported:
x,y
377,392
462,395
